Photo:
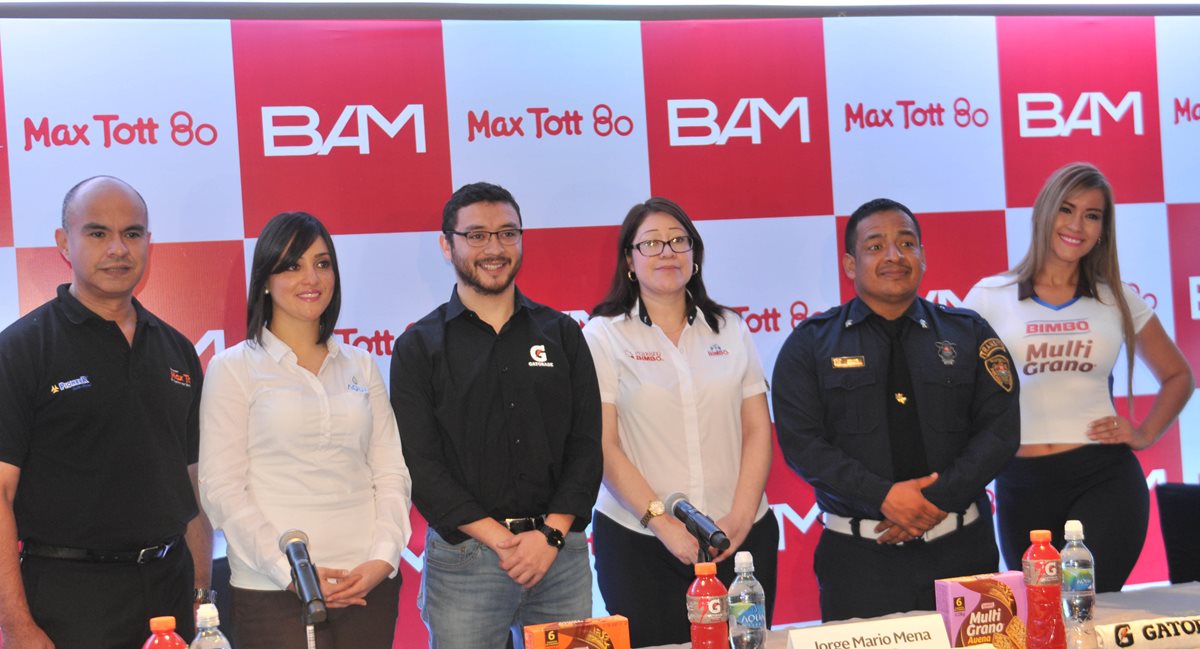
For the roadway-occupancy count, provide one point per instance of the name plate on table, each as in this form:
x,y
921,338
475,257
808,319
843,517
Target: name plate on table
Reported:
x,y
917,632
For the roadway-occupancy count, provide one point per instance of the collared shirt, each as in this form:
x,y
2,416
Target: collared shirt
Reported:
x,y
497,424
829,395
679,407
103,431
1064,353
283,448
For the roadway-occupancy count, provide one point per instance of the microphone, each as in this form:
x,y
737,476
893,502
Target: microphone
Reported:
x,y
294,544
701,526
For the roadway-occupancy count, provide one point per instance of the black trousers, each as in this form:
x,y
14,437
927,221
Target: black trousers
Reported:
x,y
861,578
1100,485
83,605
270,619
640,579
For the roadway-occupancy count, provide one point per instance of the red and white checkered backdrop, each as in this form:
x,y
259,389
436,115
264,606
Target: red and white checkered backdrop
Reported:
x,y
769,132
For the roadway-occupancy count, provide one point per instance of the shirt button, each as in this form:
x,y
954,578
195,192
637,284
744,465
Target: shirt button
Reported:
x,y
504,369
518,441
512,404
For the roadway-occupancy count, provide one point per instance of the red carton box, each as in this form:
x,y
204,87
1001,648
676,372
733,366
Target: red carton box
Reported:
x,y
982,609
610,632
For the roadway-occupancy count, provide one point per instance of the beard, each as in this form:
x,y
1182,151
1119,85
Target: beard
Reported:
x,y
469,274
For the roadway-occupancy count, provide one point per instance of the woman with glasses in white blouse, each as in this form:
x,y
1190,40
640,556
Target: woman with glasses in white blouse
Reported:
x,y
296,432
684,409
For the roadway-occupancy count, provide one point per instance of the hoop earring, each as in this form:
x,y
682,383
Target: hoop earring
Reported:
x,y
631,276
695,269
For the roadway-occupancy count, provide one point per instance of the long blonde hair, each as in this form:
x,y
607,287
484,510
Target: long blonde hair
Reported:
x,y
1100,264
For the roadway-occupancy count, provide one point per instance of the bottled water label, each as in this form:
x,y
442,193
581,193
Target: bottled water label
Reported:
x,y
749,615
1078,578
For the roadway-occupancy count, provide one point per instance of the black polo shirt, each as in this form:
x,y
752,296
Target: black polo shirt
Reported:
x,y
103,432
500,425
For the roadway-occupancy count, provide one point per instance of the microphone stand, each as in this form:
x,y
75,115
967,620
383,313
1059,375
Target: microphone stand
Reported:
x,y
703,556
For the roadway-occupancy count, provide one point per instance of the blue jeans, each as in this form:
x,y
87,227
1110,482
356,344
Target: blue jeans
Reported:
x,y
468,602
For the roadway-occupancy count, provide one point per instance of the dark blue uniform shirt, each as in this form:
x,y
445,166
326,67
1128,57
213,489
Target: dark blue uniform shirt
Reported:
x,y
830,391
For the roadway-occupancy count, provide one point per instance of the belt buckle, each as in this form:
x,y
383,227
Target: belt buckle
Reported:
x,y
510,522
152,553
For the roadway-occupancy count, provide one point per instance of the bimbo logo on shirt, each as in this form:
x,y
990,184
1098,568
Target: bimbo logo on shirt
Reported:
x,y
643,356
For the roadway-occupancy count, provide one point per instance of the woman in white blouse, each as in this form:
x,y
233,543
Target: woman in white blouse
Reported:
x,y
296,432
684,409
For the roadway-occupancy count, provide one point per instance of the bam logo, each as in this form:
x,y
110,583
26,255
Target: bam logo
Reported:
x,y
1046,109
718,134
318,144
945,297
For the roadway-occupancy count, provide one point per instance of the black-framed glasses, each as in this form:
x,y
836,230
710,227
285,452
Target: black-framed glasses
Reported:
x,y
480,238
655,247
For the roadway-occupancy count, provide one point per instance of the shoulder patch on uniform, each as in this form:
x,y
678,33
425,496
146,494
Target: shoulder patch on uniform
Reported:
x,y
991,346
1000,370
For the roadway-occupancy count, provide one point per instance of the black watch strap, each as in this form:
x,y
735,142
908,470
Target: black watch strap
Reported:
x,y
553,536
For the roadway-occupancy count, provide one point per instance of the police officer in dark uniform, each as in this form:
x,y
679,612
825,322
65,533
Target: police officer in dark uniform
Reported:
x,y
898,412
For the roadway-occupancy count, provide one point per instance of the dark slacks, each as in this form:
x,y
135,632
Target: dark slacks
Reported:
x,y
83,605
1100,485
270,619
861,578
643,581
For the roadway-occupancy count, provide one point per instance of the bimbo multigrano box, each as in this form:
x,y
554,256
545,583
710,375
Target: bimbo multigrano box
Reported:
x,y
984,609
610,632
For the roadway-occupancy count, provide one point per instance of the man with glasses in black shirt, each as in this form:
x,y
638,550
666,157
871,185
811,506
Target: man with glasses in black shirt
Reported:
x,y
99,437
898,412
499,414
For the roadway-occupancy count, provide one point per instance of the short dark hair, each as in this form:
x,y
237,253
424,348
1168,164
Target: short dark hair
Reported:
x,y
471,194
623,292
69,198
873,207
282,242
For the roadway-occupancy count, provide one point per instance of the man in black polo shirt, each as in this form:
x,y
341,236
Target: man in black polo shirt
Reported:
x,y
499,413
98,443
898,412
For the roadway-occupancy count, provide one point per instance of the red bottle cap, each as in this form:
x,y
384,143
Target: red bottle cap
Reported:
x,y
1039,536
704,569
164,623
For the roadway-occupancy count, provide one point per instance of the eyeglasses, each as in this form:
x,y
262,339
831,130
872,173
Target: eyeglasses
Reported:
x,y
655,247
480,238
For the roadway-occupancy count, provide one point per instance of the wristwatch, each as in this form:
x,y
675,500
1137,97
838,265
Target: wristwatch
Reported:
x,y
204,596
655,508
553,537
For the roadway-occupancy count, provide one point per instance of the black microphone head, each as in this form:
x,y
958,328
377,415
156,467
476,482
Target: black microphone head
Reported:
x,y
673,500
291,536
719,541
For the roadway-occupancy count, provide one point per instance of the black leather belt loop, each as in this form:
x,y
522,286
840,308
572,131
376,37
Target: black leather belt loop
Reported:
x,y
144,555
527,524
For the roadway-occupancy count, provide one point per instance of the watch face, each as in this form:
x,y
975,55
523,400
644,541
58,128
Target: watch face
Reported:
x,y
656,508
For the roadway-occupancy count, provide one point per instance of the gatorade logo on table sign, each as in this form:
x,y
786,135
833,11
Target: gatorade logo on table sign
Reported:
x,y
314,117
1123,635
728,142
1103,101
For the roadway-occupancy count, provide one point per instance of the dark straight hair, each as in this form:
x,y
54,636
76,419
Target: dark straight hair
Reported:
x,y
623,292
281,243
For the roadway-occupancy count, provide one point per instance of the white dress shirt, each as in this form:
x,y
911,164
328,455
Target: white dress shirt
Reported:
x,y
679,408
281,448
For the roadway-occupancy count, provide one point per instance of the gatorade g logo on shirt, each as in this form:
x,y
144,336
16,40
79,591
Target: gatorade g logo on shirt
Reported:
x,y
538,354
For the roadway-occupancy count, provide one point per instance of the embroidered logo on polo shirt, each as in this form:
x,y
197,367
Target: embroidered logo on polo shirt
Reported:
x,y
538,354
717,350
644,356
353,386
180,378
73,384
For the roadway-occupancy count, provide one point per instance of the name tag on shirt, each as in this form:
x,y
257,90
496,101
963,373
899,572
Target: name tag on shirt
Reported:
x,y
848,362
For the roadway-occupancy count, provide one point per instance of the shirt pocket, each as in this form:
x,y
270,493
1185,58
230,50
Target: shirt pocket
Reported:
x,y
852,400
947,399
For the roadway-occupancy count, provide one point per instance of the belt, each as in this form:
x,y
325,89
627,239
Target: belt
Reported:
x,y
527,524
144,555
865,528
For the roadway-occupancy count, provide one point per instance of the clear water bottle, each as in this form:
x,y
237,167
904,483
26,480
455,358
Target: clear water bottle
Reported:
x,y
747,606
1078,587
208,636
